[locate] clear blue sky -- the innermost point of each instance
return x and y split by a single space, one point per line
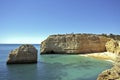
31 21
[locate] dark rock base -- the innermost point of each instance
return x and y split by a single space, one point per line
22 62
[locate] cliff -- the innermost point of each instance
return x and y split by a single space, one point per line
113 73
113 46
74 44
113 36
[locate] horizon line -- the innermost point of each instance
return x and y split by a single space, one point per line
20 43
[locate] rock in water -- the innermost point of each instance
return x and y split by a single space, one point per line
110 74
113 73
74 43
24 54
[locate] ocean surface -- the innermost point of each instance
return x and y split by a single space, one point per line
51 67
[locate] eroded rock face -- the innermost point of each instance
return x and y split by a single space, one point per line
23 54
110 74
74 43
113 46
113 73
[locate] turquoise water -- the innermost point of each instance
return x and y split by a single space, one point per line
51 67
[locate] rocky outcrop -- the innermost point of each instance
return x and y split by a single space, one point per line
113 73
23 54
74 43
113 46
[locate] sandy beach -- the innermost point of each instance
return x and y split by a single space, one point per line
102 55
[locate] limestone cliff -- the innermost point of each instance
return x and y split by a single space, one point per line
23 54
113 73
74 43
113 46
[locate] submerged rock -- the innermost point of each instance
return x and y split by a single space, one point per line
74 43
23 54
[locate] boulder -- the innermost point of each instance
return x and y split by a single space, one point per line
74 44
24 54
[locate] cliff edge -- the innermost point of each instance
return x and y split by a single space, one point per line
74 44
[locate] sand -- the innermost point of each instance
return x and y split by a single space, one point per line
102 55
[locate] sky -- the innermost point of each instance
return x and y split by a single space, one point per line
32 21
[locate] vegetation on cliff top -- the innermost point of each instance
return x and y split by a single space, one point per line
113 36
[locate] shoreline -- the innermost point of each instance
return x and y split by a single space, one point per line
107 56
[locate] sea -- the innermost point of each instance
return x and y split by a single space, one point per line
51 67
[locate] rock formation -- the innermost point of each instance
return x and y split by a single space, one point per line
113 73
23 54
113 46
74 43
